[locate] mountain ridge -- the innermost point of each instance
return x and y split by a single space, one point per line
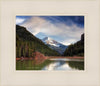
60 48
27 43
76 49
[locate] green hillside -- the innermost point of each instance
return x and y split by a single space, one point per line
76 49
27 44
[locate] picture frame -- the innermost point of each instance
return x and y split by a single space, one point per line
8 74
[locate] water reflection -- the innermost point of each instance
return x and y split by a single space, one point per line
76 65
65 64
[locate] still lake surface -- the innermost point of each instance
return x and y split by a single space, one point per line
51 64
65 64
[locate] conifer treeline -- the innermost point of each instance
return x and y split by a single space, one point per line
76 49
27 44
24 49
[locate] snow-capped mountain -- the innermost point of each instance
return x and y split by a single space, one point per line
50 41
54 44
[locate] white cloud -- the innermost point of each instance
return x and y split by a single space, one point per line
34 24
69 34
69 41
19 20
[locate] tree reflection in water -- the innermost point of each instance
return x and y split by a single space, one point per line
76 65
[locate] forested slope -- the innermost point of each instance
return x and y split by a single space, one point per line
76 49
27 44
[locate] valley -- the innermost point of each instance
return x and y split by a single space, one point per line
33 53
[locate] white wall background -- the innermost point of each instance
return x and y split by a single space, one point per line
10 77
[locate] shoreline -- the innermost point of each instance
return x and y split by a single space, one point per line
70 57
47 57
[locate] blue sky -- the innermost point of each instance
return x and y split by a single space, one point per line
64 29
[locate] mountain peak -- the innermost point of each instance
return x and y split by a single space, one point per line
54 44
46 38
32 43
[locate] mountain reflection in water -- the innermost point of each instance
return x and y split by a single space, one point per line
65 64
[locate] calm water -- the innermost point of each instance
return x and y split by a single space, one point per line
51 64
65 64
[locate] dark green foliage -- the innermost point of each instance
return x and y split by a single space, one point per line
76 65
30 65
76 49
27 44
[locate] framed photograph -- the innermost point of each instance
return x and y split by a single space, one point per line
49 43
